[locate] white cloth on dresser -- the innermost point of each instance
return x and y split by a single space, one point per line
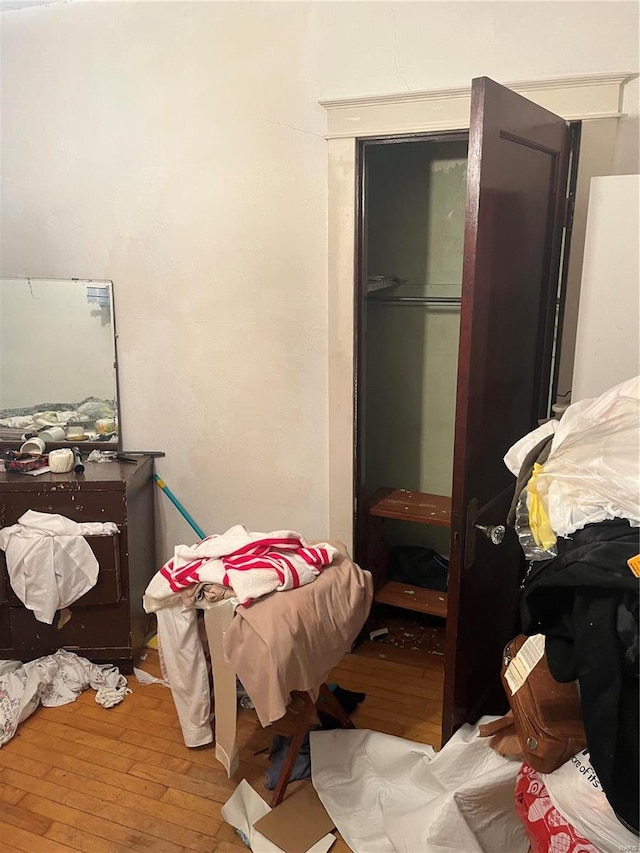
50 564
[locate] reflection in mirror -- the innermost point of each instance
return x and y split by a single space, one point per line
57 360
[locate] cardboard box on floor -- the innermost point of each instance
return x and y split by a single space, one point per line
297 823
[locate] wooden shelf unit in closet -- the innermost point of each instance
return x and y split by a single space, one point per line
420 508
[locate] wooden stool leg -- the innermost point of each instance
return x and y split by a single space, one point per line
331 705
301 729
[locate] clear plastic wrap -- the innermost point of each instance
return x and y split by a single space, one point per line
533 550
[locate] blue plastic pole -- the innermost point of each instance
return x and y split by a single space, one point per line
174 500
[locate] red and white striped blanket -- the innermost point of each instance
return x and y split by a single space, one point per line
252 564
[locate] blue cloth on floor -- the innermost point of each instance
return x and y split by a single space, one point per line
279 749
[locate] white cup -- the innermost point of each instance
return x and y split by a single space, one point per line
54 433
34 447
61 461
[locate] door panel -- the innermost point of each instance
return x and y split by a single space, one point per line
516 180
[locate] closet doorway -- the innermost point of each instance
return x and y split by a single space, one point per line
460 239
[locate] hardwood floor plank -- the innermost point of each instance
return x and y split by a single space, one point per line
202 806
23 840
205 786
24 819
151 715
124 749
381 669
423 733
42 742
80 840
408 705
379 659
373 712
68 715
131 722
378 685
9 794
205 821
102 828
132 817
228 833
98 774
389 728
24 756
424 660
83 778
13 759
153 743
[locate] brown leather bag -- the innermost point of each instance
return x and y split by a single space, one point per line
546 714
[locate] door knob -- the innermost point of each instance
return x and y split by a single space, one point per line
493 532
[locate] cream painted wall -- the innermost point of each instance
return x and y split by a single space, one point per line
378 48
176 148
607 351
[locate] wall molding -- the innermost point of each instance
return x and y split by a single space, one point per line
588 96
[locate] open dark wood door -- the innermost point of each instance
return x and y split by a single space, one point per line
516 184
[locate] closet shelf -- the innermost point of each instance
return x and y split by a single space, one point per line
414 598
416 300
411 506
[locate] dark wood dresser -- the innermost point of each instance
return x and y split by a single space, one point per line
108 623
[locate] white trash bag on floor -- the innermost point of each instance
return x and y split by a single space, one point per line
576 792
386 794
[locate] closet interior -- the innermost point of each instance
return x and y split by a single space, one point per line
413 216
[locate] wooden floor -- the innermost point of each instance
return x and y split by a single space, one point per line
81 777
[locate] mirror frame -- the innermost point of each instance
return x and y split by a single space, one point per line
15 444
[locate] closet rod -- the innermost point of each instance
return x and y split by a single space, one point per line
419 300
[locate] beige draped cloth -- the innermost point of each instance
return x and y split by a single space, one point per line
292 640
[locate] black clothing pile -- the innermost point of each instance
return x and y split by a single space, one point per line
585 602
418 566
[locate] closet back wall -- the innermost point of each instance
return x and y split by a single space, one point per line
177 148
415 194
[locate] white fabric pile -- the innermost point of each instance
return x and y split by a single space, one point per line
56 679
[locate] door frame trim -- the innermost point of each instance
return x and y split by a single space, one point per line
594 99
588 96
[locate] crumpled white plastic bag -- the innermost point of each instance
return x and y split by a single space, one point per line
386 794
575 790
593 469
516 454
